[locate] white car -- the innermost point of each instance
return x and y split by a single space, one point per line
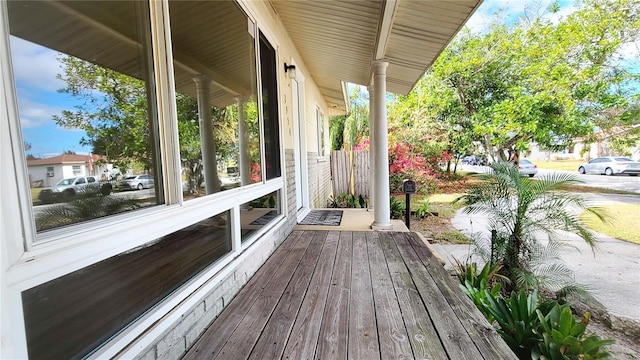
610 165
526 167
138 182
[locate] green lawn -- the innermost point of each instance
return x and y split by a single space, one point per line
623 223
35 192
569 165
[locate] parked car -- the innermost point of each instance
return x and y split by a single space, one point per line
70 187
138 182
610 165
473 160
526 167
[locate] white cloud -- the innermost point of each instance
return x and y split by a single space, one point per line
35 66
34 114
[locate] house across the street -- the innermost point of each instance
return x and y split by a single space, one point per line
46 172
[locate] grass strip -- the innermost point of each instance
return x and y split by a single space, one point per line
623 223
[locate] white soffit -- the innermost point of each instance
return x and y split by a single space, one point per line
338 39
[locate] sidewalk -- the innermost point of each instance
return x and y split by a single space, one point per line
612 274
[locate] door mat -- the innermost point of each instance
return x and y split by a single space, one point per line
265 219
323 217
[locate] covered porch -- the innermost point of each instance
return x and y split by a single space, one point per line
350 294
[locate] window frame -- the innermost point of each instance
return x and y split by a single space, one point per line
35 258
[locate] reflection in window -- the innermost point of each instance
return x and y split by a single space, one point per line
259 212
270 108
215 74
85 96
322 149
67 317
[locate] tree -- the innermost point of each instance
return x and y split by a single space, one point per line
336 131
111 108
433 111
520 210
535 80
355 127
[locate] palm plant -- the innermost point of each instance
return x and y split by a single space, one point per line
82 208
521 211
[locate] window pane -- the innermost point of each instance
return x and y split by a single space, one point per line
257 213
67 317
321 126
215 72
84 95
270 108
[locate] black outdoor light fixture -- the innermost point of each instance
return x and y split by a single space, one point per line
291 69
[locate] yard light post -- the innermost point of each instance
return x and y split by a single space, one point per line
408 187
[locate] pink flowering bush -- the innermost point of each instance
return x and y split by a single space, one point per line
256 173
421 164
363 144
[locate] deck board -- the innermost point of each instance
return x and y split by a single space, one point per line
220 331
363 332
392 334
422 334
332 343
248 331
307 325
350 295
486 339
276 332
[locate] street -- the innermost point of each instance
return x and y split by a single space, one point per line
616 182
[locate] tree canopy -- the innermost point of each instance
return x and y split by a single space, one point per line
533 81
112 108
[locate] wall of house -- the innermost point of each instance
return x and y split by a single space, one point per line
39 173
173 325
319 180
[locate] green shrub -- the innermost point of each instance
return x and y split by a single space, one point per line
347 201
517 319
468 271
423 209
563 337
397 208
480 294
538 330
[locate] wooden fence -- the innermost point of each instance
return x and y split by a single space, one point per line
340 172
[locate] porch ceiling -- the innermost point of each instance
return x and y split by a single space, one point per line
338 39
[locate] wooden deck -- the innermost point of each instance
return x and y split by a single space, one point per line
351 295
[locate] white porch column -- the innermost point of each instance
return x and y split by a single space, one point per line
207 142
372 163
381 211
244 162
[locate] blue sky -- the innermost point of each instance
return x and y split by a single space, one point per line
35 70
513 10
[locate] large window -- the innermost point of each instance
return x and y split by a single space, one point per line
84 85
215 72
68 317
96 146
